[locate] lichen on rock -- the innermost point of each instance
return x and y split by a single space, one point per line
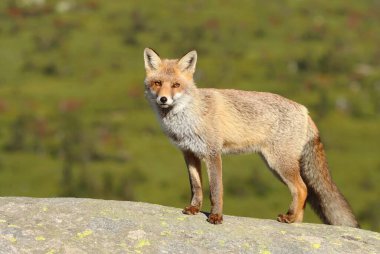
69 225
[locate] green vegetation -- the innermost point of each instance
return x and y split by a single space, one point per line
74 121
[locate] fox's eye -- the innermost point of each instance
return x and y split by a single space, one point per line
157 83
176 85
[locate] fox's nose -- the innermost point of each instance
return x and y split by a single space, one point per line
163 99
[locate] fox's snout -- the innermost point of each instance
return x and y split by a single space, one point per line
164 101
164 93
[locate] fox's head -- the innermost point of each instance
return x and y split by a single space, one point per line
169 81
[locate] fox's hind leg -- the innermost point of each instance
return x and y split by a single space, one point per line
299 193
194 168
289 172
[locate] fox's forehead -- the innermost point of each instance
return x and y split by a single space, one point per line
169 66
167 71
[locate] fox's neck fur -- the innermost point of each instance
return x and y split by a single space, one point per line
182 122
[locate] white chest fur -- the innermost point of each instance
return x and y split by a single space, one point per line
183 130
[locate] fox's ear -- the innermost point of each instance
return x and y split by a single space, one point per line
187 62
151 59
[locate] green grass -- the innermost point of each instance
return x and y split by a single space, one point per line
71 96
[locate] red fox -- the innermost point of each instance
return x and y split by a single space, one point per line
206 123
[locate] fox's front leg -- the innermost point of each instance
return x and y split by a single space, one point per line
193 164
214 170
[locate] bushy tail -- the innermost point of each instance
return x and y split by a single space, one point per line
323 195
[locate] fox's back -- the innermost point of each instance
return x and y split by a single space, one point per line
248 120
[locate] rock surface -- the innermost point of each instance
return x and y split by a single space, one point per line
69 225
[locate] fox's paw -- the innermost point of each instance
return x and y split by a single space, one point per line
190 210
215 218
286 218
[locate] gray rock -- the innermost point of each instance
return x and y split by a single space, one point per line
69 225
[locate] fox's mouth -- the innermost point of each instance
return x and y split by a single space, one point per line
164 105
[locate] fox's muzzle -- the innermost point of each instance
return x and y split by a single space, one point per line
164 101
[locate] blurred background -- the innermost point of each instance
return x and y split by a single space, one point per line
74 120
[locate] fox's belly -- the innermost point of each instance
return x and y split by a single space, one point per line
241 147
